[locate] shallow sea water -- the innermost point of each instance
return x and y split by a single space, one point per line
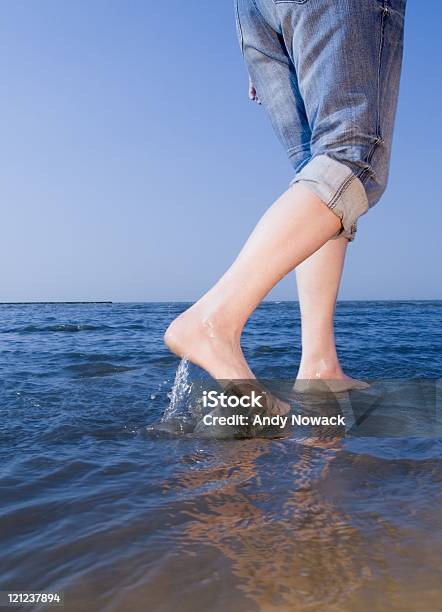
118 516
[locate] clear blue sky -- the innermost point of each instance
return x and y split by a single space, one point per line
133 165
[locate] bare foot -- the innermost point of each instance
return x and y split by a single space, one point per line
205 342
208 344
329 379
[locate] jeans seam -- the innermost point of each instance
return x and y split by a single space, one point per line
385 11
340 192
363 174
240 32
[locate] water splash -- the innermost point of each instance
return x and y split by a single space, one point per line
180 394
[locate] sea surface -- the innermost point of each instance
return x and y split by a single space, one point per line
99 503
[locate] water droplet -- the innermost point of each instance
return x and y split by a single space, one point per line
180 391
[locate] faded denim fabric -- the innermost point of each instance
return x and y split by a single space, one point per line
327 73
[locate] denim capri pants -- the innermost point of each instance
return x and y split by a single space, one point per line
327 73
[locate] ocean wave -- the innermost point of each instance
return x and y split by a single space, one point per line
59 327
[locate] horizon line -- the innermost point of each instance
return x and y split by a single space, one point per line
85 302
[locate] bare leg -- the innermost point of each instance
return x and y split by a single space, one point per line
318 279
209 332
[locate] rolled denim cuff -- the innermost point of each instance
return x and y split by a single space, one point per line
339 188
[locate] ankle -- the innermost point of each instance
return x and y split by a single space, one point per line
324 366
216 322
201 322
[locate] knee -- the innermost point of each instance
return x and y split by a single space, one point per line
337 184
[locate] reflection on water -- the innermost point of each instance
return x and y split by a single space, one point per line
303 527
122 517
276 551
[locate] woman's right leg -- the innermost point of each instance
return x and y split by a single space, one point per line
318 279
344 83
